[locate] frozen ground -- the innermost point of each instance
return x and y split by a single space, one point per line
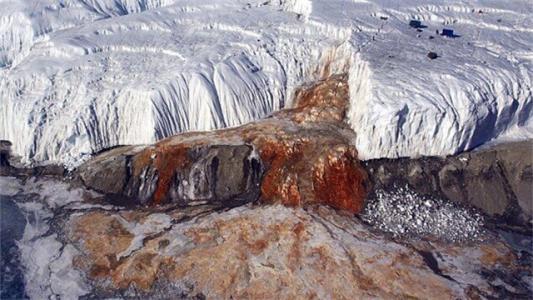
77 76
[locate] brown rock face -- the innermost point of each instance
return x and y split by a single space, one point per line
297 156
104 237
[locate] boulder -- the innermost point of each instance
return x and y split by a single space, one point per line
109 172
432 55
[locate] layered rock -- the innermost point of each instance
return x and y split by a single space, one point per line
297 156
496 180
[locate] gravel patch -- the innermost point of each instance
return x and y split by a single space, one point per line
405 213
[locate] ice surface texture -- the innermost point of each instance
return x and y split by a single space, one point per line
77 76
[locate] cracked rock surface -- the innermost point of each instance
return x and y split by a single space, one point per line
76 245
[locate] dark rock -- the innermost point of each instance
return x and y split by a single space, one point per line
498 181
218 173
49 170
144 186
207 174
5 150
517 166
432 55
451 182
416 24
419 178
235 172
108 172
485 184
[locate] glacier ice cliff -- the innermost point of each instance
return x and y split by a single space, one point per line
78 76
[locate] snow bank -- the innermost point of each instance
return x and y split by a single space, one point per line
80 76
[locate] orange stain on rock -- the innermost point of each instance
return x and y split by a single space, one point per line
167 161
280 182
341 183
306 151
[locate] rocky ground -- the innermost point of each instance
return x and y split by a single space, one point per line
75 244
497 180
278 208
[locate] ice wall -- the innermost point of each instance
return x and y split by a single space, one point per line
80 76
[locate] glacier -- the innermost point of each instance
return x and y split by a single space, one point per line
78 76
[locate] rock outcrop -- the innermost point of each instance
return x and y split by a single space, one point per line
497 180
5 149
297 156
276 252
79 243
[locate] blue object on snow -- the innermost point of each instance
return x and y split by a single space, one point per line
416 24
448 33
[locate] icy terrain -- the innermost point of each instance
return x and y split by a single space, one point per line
77 76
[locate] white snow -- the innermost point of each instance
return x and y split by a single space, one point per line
65 280
48 270
54 193
80 76
49 273
36 256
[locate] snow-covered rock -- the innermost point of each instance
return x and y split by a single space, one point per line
80 76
